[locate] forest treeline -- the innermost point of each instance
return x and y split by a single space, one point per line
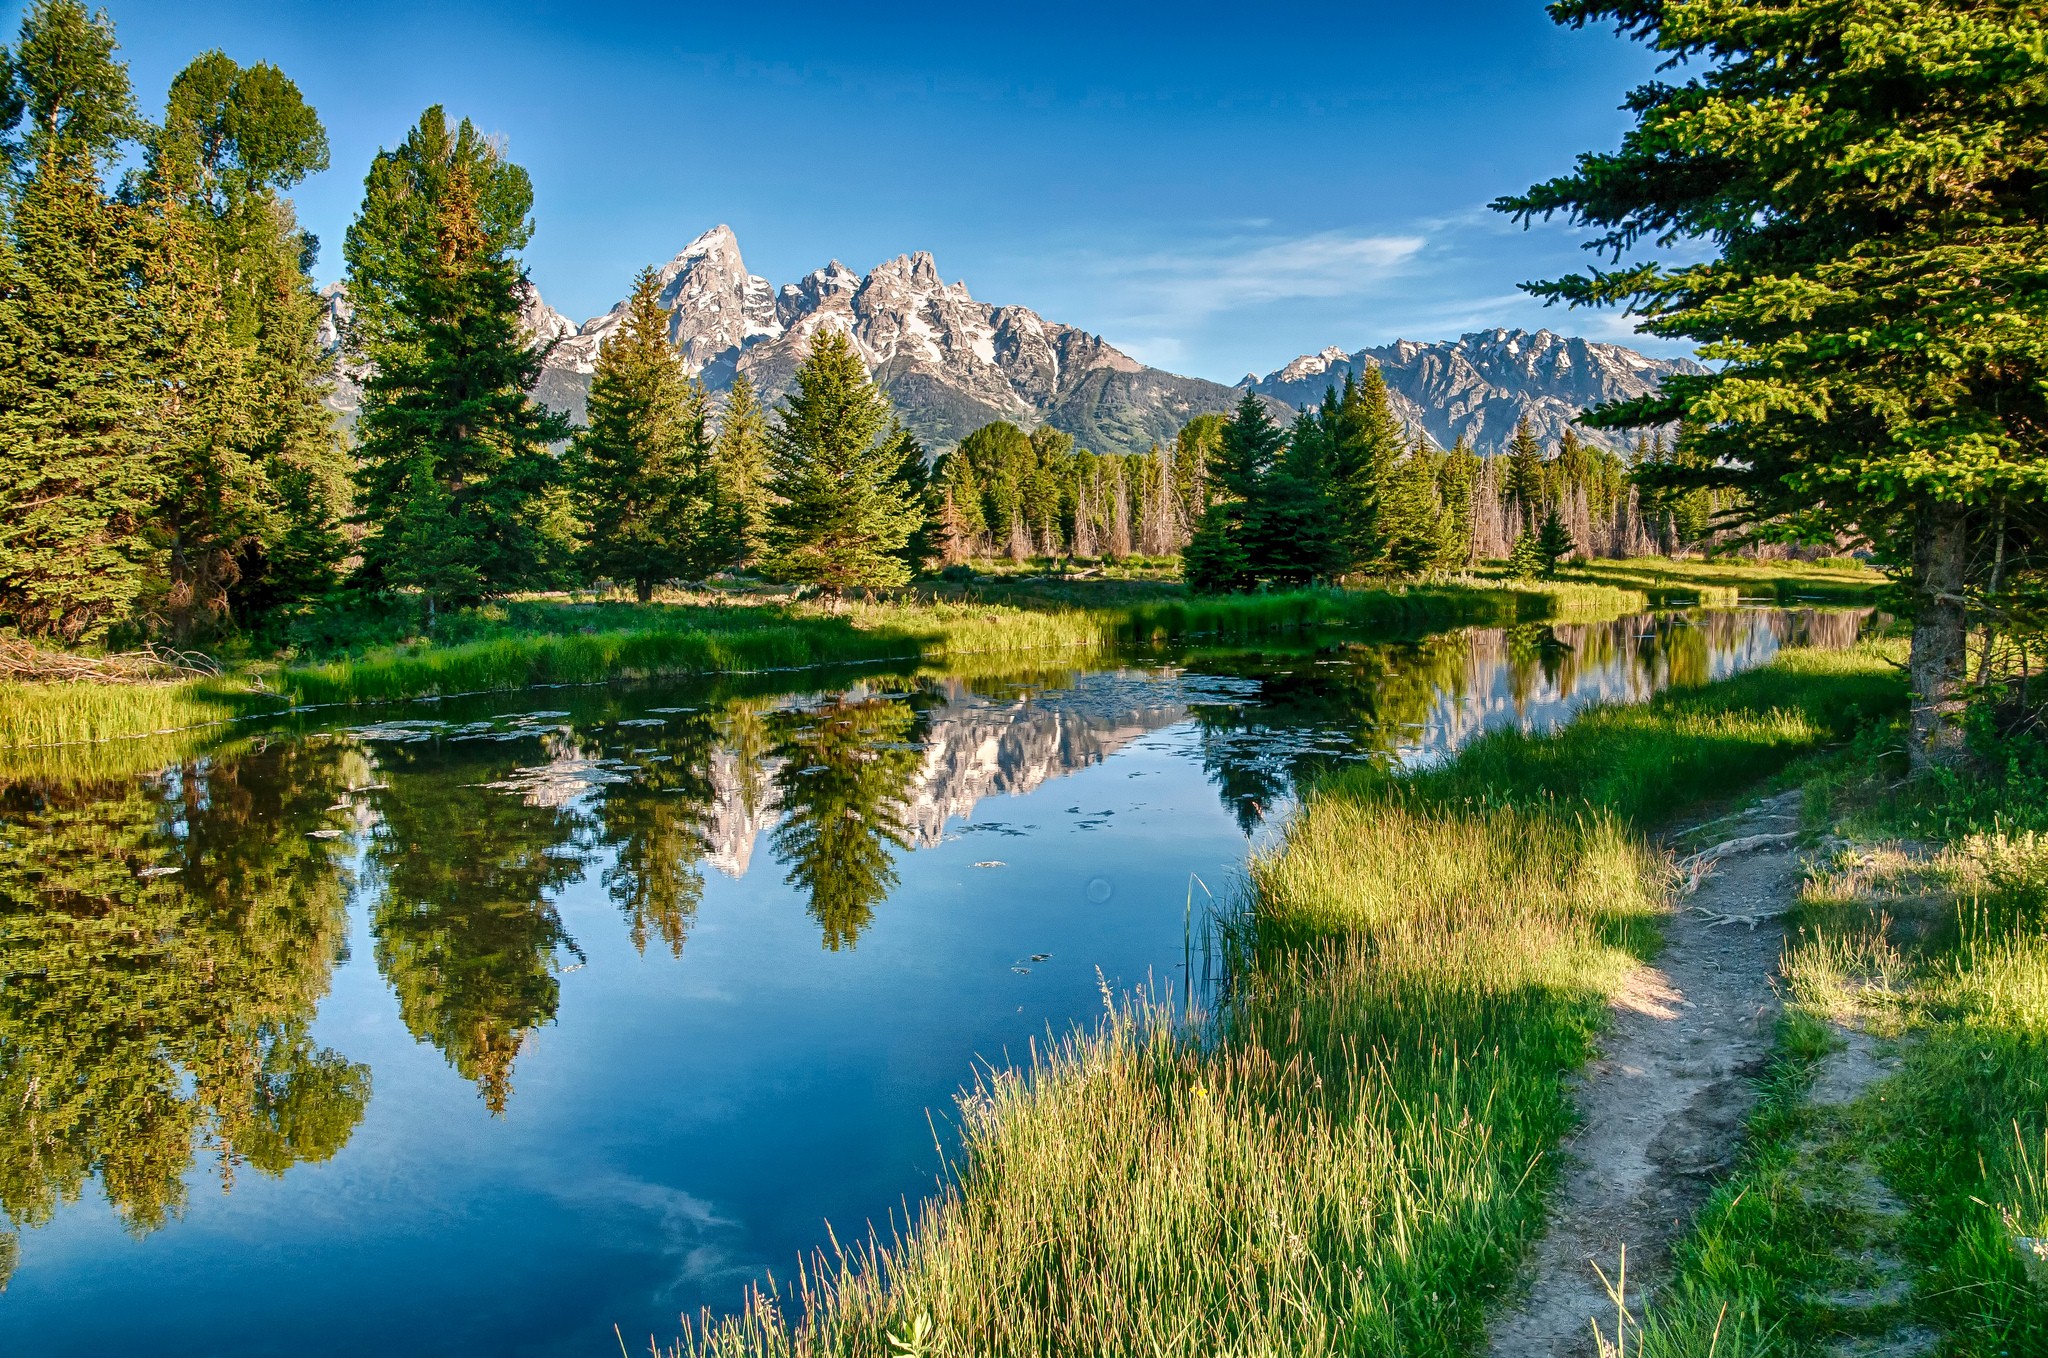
170 466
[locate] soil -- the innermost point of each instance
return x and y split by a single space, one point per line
1661 1110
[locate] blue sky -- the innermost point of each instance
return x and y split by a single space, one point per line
1213 188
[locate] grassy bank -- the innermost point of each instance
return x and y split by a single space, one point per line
1724 584
1351 1154
1922 946
528 643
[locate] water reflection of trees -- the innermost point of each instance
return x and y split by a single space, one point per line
163 945
846 767
466 934
1392 703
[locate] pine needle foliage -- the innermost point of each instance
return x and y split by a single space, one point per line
1865 182
641 471
450 402
842 516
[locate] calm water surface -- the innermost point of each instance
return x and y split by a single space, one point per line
485 1025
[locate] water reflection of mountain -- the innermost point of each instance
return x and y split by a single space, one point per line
971 746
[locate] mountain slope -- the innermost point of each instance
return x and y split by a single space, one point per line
952 364
1479 385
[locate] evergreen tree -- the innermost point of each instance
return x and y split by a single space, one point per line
1409 521
925 495
641 471
843 516
1457 484
81 470
1365 443
451 395
1522 483
1867 178
1295 529
739 459
1226 551
395 234
1553 543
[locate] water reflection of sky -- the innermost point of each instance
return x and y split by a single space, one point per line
490 1025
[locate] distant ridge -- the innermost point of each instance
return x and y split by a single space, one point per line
952 363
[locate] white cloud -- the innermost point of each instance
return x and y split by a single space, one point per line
1170 290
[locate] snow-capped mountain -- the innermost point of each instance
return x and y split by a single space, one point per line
1480 385
952 363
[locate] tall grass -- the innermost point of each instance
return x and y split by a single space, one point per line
76 713
1349 1156
525 645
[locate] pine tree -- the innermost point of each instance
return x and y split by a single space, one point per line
1409 518
1457 486
1553 543
81 469
1225 552
843 516
641 471
1365 441
922 492
451 400
1522 483
740 459
1880 164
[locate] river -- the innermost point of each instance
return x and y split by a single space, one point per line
486 1025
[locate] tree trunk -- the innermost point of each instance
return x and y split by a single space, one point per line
1940 555
643 590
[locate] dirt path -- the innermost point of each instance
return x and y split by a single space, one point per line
1662 1108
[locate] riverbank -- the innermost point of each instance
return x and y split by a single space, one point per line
525 643
1353 1154
1894 1185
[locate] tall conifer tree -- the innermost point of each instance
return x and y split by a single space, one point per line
843 515
450 400
740 460
641 470
81 471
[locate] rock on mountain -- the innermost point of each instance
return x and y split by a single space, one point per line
952 364
1480 385
949 362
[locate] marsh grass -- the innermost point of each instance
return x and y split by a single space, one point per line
528 643
1347 1156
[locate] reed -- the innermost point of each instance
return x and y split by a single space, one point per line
1350 1155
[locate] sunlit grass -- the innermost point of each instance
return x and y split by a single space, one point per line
1349 1157
529 643
1725 583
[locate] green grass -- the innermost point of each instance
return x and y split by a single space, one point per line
1727 583
76 713
526 643
1928 931
1351 1154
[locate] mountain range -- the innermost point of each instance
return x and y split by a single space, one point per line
952 363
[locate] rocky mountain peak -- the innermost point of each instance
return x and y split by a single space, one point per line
952 363
1480 385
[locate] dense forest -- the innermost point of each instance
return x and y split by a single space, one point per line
169 469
